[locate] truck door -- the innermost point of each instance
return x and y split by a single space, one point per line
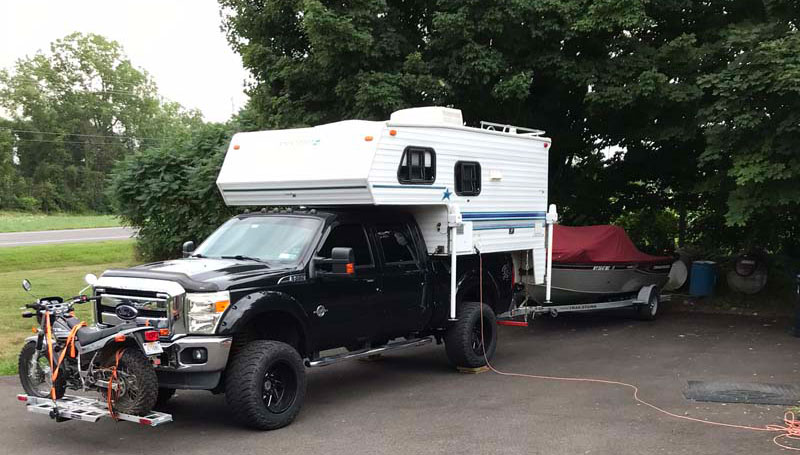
348 314
402 280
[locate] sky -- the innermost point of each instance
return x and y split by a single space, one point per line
178 42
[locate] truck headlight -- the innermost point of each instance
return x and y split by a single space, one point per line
204 310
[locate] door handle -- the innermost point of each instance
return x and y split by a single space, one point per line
369 280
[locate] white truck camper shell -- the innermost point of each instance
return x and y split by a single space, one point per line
358 162
470 189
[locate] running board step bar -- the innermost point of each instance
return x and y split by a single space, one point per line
81 408
329 360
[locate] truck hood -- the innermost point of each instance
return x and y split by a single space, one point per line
207 274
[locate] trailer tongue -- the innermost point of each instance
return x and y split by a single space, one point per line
72 407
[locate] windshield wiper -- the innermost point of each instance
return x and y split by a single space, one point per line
240 257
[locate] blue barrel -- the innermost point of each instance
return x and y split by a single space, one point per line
703 278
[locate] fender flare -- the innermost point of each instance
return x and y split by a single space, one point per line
247 308
464 285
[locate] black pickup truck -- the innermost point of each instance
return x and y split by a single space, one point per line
266 294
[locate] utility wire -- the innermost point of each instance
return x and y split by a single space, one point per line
118 136
66 142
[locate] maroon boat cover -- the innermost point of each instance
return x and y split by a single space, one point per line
597 244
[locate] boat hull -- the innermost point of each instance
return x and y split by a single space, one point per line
575 283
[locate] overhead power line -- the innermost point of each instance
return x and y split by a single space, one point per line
59 133
55 141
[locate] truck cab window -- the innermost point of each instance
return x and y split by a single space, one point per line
468 178
352 236
417 165
395 243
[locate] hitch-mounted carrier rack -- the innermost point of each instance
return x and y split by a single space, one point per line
73 407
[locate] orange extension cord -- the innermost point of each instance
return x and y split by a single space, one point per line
789 430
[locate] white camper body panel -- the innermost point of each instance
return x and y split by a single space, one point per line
356 162
513 197
324 165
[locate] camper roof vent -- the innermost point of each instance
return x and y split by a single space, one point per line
429 115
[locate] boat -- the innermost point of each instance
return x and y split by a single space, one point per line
599 264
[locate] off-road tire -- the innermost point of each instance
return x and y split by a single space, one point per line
28 351
164 395
461 338
135 363
246 378
649 311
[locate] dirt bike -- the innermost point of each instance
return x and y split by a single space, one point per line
66 354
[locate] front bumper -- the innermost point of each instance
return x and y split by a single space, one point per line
178 372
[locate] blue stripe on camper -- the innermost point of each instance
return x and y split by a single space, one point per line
485 216
423 187
502 226
306 188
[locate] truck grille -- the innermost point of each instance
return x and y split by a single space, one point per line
153 308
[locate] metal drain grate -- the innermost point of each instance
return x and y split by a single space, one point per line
743 392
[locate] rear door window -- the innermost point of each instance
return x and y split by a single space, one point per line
396 243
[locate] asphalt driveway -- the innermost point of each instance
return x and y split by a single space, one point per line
412 402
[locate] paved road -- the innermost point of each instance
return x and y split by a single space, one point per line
413 403
65 236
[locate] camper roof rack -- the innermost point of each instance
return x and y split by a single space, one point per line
491 126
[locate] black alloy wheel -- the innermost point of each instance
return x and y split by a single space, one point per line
280 387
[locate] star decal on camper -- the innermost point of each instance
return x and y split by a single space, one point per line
446 194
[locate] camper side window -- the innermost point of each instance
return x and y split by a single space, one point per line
418 165
468 178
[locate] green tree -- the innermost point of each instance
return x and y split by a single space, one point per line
9 177
169 192
75 111
753 129
522 62
668 84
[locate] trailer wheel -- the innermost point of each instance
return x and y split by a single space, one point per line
648 311
265 384
463 340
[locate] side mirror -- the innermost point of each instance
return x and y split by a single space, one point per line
342 263
90 279
26 285
188 248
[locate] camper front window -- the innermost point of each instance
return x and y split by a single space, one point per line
417 165
272 239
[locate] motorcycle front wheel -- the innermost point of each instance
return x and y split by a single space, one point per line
136 388
34 373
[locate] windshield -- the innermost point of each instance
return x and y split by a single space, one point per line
281 239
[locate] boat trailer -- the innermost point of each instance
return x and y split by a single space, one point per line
531 311
72 407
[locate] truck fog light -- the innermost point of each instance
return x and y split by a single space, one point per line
199 355
194 356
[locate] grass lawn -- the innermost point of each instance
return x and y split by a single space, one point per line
53 270
19 221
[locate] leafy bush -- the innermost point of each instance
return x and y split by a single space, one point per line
169 193
652 230
28 203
